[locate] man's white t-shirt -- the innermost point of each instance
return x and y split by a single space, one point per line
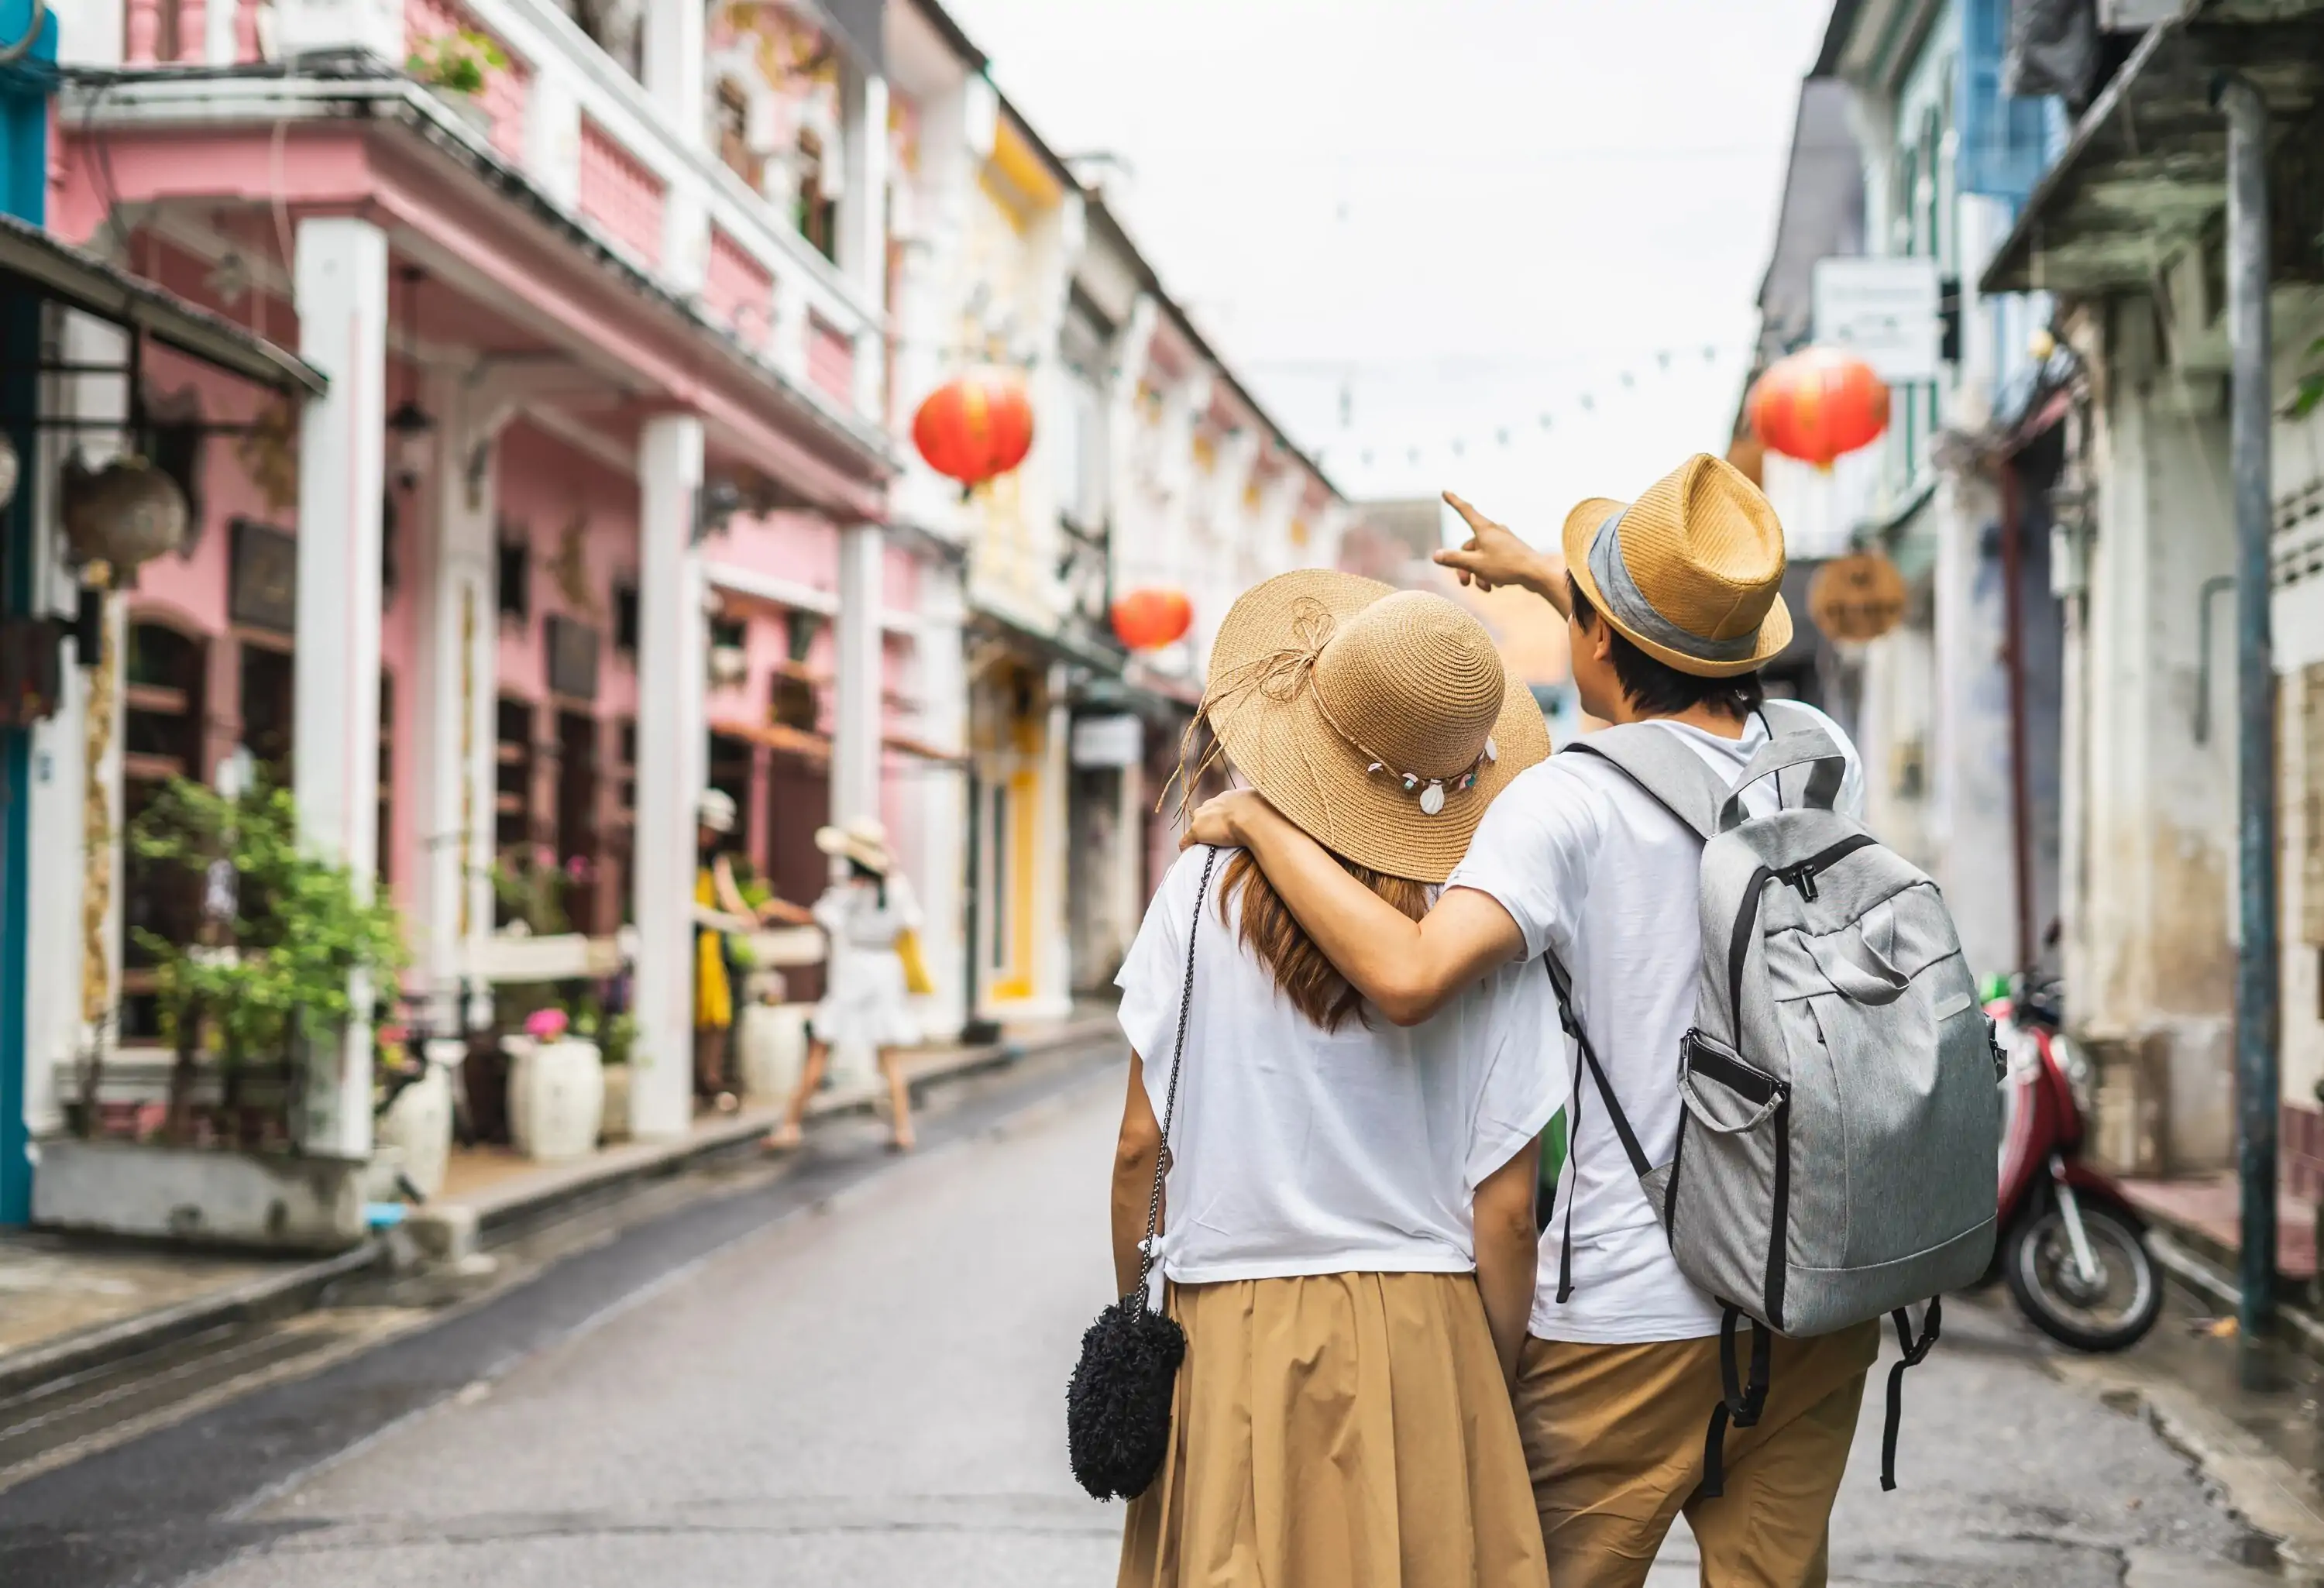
1591 865
1298 1150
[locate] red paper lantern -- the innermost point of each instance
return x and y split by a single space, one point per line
1146 620
1818 404
975 425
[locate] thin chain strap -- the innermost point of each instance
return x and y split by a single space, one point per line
1170 1102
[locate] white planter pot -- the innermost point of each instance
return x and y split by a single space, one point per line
616 1126
772 1037
419 1126
557 1097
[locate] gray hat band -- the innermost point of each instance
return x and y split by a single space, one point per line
1625 601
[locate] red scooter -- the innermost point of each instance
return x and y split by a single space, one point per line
2072 1248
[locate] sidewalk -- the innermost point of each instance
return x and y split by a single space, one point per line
69 1305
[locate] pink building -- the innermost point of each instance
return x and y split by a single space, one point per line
592 515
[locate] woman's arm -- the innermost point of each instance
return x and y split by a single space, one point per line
1133 1176
1507 1251
727 891
1408 968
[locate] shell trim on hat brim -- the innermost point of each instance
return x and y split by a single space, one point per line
1289 751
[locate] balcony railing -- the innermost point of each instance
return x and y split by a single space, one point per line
588 135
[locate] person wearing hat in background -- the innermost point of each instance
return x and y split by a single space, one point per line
868 998
720 909
1347 1236
1671 604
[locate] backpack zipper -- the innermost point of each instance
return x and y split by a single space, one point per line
1802 875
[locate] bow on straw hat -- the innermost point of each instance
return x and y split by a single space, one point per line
861 840
1691 573
1378 720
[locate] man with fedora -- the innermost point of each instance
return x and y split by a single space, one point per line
1671 604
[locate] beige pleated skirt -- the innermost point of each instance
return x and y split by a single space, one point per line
1339 1431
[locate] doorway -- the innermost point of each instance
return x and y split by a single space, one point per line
577 820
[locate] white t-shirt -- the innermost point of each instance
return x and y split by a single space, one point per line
1298 1150
1587 864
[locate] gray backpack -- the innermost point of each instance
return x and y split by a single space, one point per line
1836 1151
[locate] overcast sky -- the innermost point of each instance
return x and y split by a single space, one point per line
1469 215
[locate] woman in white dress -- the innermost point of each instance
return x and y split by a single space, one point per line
866 998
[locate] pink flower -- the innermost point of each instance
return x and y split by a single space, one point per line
544 856
576 867
546 1025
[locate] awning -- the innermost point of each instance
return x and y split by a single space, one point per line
31 259
1062 645
2146 168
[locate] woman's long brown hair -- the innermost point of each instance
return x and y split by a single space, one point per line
1269 930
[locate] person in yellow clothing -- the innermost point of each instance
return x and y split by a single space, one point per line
719 908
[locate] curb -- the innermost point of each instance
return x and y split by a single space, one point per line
591 1182
613 1173
274 1295
2197 1272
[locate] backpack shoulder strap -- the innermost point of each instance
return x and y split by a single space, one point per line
1660 763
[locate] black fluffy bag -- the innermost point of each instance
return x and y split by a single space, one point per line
1117 1404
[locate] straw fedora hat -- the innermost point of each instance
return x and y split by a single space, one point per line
863 841
1378 720
1690 573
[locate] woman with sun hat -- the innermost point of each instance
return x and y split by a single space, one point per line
868 997
1347 1236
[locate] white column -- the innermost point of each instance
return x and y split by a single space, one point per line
455 664
341 287
675 51
672 636
863 227
864 203
943 794
856 725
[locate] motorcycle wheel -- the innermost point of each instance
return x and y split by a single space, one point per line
2111 1315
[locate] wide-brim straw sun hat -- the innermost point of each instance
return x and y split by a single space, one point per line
1379 721
1691 573
863 841
715 810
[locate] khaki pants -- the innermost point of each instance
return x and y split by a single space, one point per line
1614 1437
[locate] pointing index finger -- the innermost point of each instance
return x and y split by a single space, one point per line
1476 520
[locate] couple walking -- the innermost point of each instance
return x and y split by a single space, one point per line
1385 1380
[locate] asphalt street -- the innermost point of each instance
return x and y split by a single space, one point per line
854 1374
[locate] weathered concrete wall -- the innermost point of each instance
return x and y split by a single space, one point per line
205 1197
2149 961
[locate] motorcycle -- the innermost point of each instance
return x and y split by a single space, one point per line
2072 1248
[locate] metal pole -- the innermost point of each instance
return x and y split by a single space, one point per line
2250 417
2013 651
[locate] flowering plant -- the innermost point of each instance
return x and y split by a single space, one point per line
546 1025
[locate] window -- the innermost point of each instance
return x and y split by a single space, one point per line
576 817
625 618
515 578
512 777
731 116
162 738
268 700
383 840
817 216
614 26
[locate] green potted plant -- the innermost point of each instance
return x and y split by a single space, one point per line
456 67
277 968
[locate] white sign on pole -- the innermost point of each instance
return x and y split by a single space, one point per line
1107 741
1883 310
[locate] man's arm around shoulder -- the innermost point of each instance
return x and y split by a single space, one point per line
1409 969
